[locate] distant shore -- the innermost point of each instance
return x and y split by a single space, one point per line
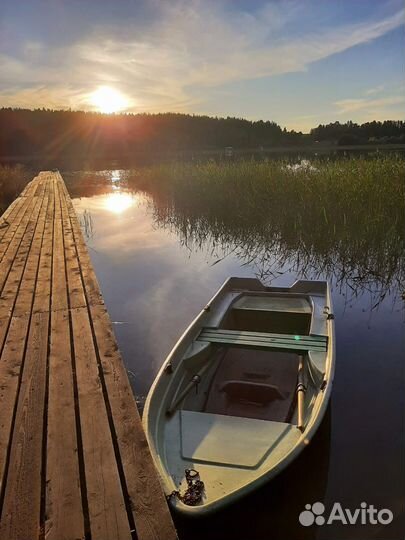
310 149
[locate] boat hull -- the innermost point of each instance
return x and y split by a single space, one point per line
233 455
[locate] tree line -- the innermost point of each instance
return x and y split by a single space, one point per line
389 131
25 133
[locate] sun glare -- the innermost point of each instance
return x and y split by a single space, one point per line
119 202
108 100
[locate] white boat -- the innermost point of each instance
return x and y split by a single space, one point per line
242 392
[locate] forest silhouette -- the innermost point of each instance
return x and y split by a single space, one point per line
30 133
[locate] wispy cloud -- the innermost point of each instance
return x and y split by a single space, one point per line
191 46
376 90
365 108
50 96
351 105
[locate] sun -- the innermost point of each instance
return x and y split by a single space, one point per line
108 100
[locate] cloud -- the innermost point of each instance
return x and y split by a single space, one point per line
388 107
52 97
189 48
352 105
375 90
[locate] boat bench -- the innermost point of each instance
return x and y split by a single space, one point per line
263 340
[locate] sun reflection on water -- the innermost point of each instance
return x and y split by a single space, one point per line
119 202
116 176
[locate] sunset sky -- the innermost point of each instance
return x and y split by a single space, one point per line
299 63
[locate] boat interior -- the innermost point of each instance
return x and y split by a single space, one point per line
248 382
253 384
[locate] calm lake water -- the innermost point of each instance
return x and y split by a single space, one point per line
155 279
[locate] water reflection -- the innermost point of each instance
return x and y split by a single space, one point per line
374 266
158 265
118 202
116 176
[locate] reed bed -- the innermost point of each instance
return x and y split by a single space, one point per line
343 193
343 217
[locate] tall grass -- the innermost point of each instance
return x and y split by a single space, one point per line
344 193
12 182
345 216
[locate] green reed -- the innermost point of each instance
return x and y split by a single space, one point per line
345 216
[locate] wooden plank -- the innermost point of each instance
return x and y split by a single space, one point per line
21 506
4 323
12 239
24 286
10 369
237 333
64 515
75 286
107 511
17 205
44 287
151 514
59 285
25 230
93 292
10 216
24 269
29 190
22 499
207 336
260 344
13 351
7 233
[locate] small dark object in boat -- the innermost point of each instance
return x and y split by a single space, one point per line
194 491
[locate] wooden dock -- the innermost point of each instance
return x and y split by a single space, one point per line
74 461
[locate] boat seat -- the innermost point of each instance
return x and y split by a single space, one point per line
259 394
238 442
268 302
263 340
